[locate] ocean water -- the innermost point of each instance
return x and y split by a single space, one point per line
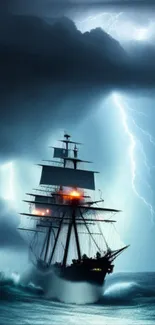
128 298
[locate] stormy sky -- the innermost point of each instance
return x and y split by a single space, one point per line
60 64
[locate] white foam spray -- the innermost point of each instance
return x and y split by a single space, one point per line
62 290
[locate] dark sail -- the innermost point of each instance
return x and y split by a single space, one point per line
52 175
60 153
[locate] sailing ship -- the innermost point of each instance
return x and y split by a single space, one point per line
64 217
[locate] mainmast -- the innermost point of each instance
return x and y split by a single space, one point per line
72 223
67 137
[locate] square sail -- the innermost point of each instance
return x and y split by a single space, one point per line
68 177
60 153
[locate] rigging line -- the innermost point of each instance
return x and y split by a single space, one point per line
28 236
100 194
31 247
89 231
113 214
117 232
101 232
57 237
115 229
63 246
48 242
53 233
99 226
44 244
36 240
33 240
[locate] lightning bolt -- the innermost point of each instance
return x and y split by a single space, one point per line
132 148
110 23
107 21
144 132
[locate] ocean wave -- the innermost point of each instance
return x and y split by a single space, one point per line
12 289
116 293
128 293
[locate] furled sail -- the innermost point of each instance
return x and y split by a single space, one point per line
69 177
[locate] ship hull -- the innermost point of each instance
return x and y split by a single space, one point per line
89 270
77 275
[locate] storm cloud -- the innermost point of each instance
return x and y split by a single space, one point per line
32 49
15 5
51 72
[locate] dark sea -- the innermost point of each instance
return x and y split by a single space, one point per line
128 298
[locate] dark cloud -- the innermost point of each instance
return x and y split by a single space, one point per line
51 72
114 3
10 4
30 48
35 7
72 8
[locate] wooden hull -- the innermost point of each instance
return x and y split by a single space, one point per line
75 274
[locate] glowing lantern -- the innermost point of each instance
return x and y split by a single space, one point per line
75 194
35 212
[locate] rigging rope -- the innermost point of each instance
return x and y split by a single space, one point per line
89 231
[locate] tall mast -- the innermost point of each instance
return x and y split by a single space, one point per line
73 220
67 242
75 156
67 137
71 225
43 247
76 237
74 211
56 239
47 244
